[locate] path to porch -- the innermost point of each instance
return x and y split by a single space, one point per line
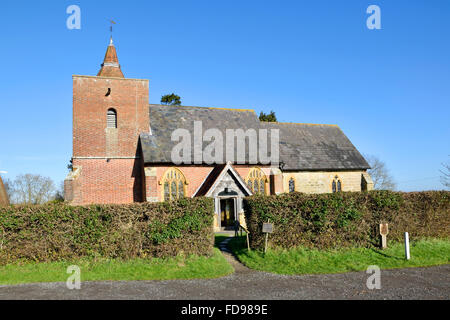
239 268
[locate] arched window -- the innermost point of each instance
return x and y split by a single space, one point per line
111 119
336 185
291 185
174 184
256 181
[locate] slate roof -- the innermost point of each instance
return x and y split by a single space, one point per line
302 146
316 147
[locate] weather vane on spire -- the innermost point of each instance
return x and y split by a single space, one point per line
111 26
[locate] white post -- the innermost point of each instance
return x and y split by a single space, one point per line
267 236
407 246
265 246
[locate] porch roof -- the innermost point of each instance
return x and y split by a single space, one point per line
215 176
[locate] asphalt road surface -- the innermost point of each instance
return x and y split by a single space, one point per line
411 283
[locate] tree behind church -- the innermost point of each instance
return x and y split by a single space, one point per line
445 177
31 189
270 117
7 184
382 179
171 99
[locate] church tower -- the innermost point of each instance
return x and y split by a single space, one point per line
109 113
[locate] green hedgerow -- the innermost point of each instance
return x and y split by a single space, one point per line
55 231
346 219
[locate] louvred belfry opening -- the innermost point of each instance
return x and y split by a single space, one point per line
110 65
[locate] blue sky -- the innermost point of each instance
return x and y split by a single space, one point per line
310 61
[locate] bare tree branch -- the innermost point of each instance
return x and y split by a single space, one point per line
31 189
59 195
445 178
8 186
382 179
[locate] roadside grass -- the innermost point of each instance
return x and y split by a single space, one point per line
180 267
312 261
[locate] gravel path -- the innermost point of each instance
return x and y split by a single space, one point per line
412 283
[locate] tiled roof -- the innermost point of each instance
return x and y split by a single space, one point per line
110 66
302 146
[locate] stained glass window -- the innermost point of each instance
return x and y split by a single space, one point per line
256 181
180 189
174 184
256 187
336 185
166 191
173 190
291 185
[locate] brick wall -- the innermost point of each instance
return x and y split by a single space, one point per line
107 159
195 176
115 181
129 97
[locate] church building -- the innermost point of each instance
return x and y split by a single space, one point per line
122 151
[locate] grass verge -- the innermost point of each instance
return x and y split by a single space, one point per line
192 267
313 261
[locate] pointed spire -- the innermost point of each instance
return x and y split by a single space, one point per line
110 65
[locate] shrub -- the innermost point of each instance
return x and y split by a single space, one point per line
346 219
56 231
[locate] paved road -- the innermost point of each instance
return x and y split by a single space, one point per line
412 283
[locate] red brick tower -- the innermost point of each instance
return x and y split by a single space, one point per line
109 113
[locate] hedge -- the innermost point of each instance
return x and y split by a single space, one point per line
55 232
346 219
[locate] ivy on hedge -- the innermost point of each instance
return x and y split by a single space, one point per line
346 219
61 232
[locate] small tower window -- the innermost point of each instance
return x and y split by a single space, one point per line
111 119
